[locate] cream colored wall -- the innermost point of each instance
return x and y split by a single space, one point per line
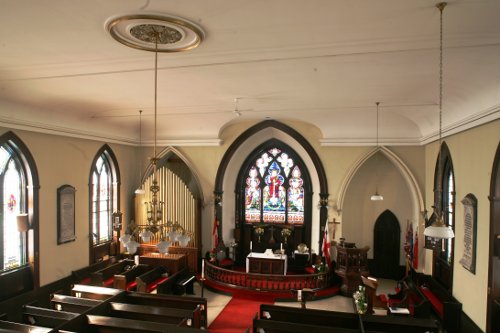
473 153
61 160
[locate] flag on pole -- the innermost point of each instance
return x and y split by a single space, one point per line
215 234
326 246
415 250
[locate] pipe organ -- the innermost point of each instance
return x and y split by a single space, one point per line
180 206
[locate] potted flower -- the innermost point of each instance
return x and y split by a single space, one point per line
285 233
259 231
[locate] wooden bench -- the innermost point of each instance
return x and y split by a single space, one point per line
184 283
93 292
126 279
180 317
34 315
9 326
309 316
397 324
168 301
82 275
105 277
72 304
106 324
275 326
149 281
443 303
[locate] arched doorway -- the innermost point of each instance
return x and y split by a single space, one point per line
493 312
386 242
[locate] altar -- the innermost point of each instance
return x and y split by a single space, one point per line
266 263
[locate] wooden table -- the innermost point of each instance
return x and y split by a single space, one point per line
266 264
173 262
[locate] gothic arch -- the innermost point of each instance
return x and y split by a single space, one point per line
265 130
416 194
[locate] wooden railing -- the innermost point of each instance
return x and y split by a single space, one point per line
266 282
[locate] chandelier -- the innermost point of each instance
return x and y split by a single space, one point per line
438 229
166 34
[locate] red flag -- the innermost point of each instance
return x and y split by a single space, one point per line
415 251
215 234
326 246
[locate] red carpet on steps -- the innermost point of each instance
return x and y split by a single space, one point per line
238 314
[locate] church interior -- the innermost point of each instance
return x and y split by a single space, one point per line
178 166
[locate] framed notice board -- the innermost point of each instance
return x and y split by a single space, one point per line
65 214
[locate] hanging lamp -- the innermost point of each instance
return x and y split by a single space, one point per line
438 229
140 189
377 196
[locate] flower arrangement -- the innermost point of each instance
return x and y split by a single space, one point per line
360 300
259 231
285 233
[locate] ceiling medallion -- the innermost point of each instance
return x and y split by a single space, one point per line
142 31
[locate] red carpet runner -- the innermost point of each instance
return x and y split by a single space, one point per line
238 314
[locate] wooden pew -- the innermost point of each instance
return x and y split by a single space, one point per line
126 280
168 301
175 284
72 304
105 277
103 324
149 281
397 324
34 315
180 317
82 275
275 326
9 326
93 292
309 316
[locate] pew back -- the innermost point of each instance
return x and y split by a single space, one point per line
8 326
72 304
105 277
126 279
34 315
93 292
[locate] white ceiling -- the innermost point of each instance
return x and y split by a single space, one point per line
323 62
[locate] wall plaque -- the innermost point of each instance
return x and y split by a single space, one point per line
65 214
468 260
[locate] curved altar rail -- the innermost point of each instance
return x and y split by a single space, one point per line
266 282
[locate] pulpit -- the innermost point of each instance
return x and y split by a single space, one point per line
352 263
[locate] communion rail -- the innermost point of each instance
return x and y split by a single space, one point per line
266 282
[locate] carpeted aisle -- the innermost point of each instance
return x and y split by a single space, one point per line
238 314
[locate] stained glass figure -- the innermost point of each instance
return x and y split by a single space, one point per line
296 197
252 197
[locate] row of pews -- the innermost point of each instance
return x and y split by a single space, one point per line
126 275
99 309
281 319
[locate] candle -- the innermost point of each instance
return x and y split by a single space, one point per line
281 246
202 268
250 246
299 295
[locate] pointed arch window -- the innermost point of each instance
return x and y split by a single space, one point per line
18 196
104 195
275 184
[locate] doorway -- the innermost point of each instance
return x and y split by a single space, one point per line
386 246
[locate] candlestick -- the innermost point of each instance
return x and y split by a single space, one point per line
202 268
281 246
250 246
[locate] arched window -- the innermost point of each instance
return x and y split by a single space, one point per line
274 190
18 196
104 195
445 202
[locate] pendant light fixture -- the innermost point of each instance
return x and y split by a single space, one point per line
140 189
377 196
438 229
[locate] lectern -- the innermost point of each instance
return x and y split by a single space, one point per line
352 263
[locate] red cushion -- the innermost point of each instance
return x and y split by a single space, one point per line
435 301
131 286
155 284
85 281
226 262
382 298
310 270
109 282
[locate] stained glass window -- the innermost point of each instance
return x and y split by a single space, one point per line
12 179
274 189
104 198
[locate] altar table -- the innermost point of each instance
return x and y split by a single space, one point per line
263 263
